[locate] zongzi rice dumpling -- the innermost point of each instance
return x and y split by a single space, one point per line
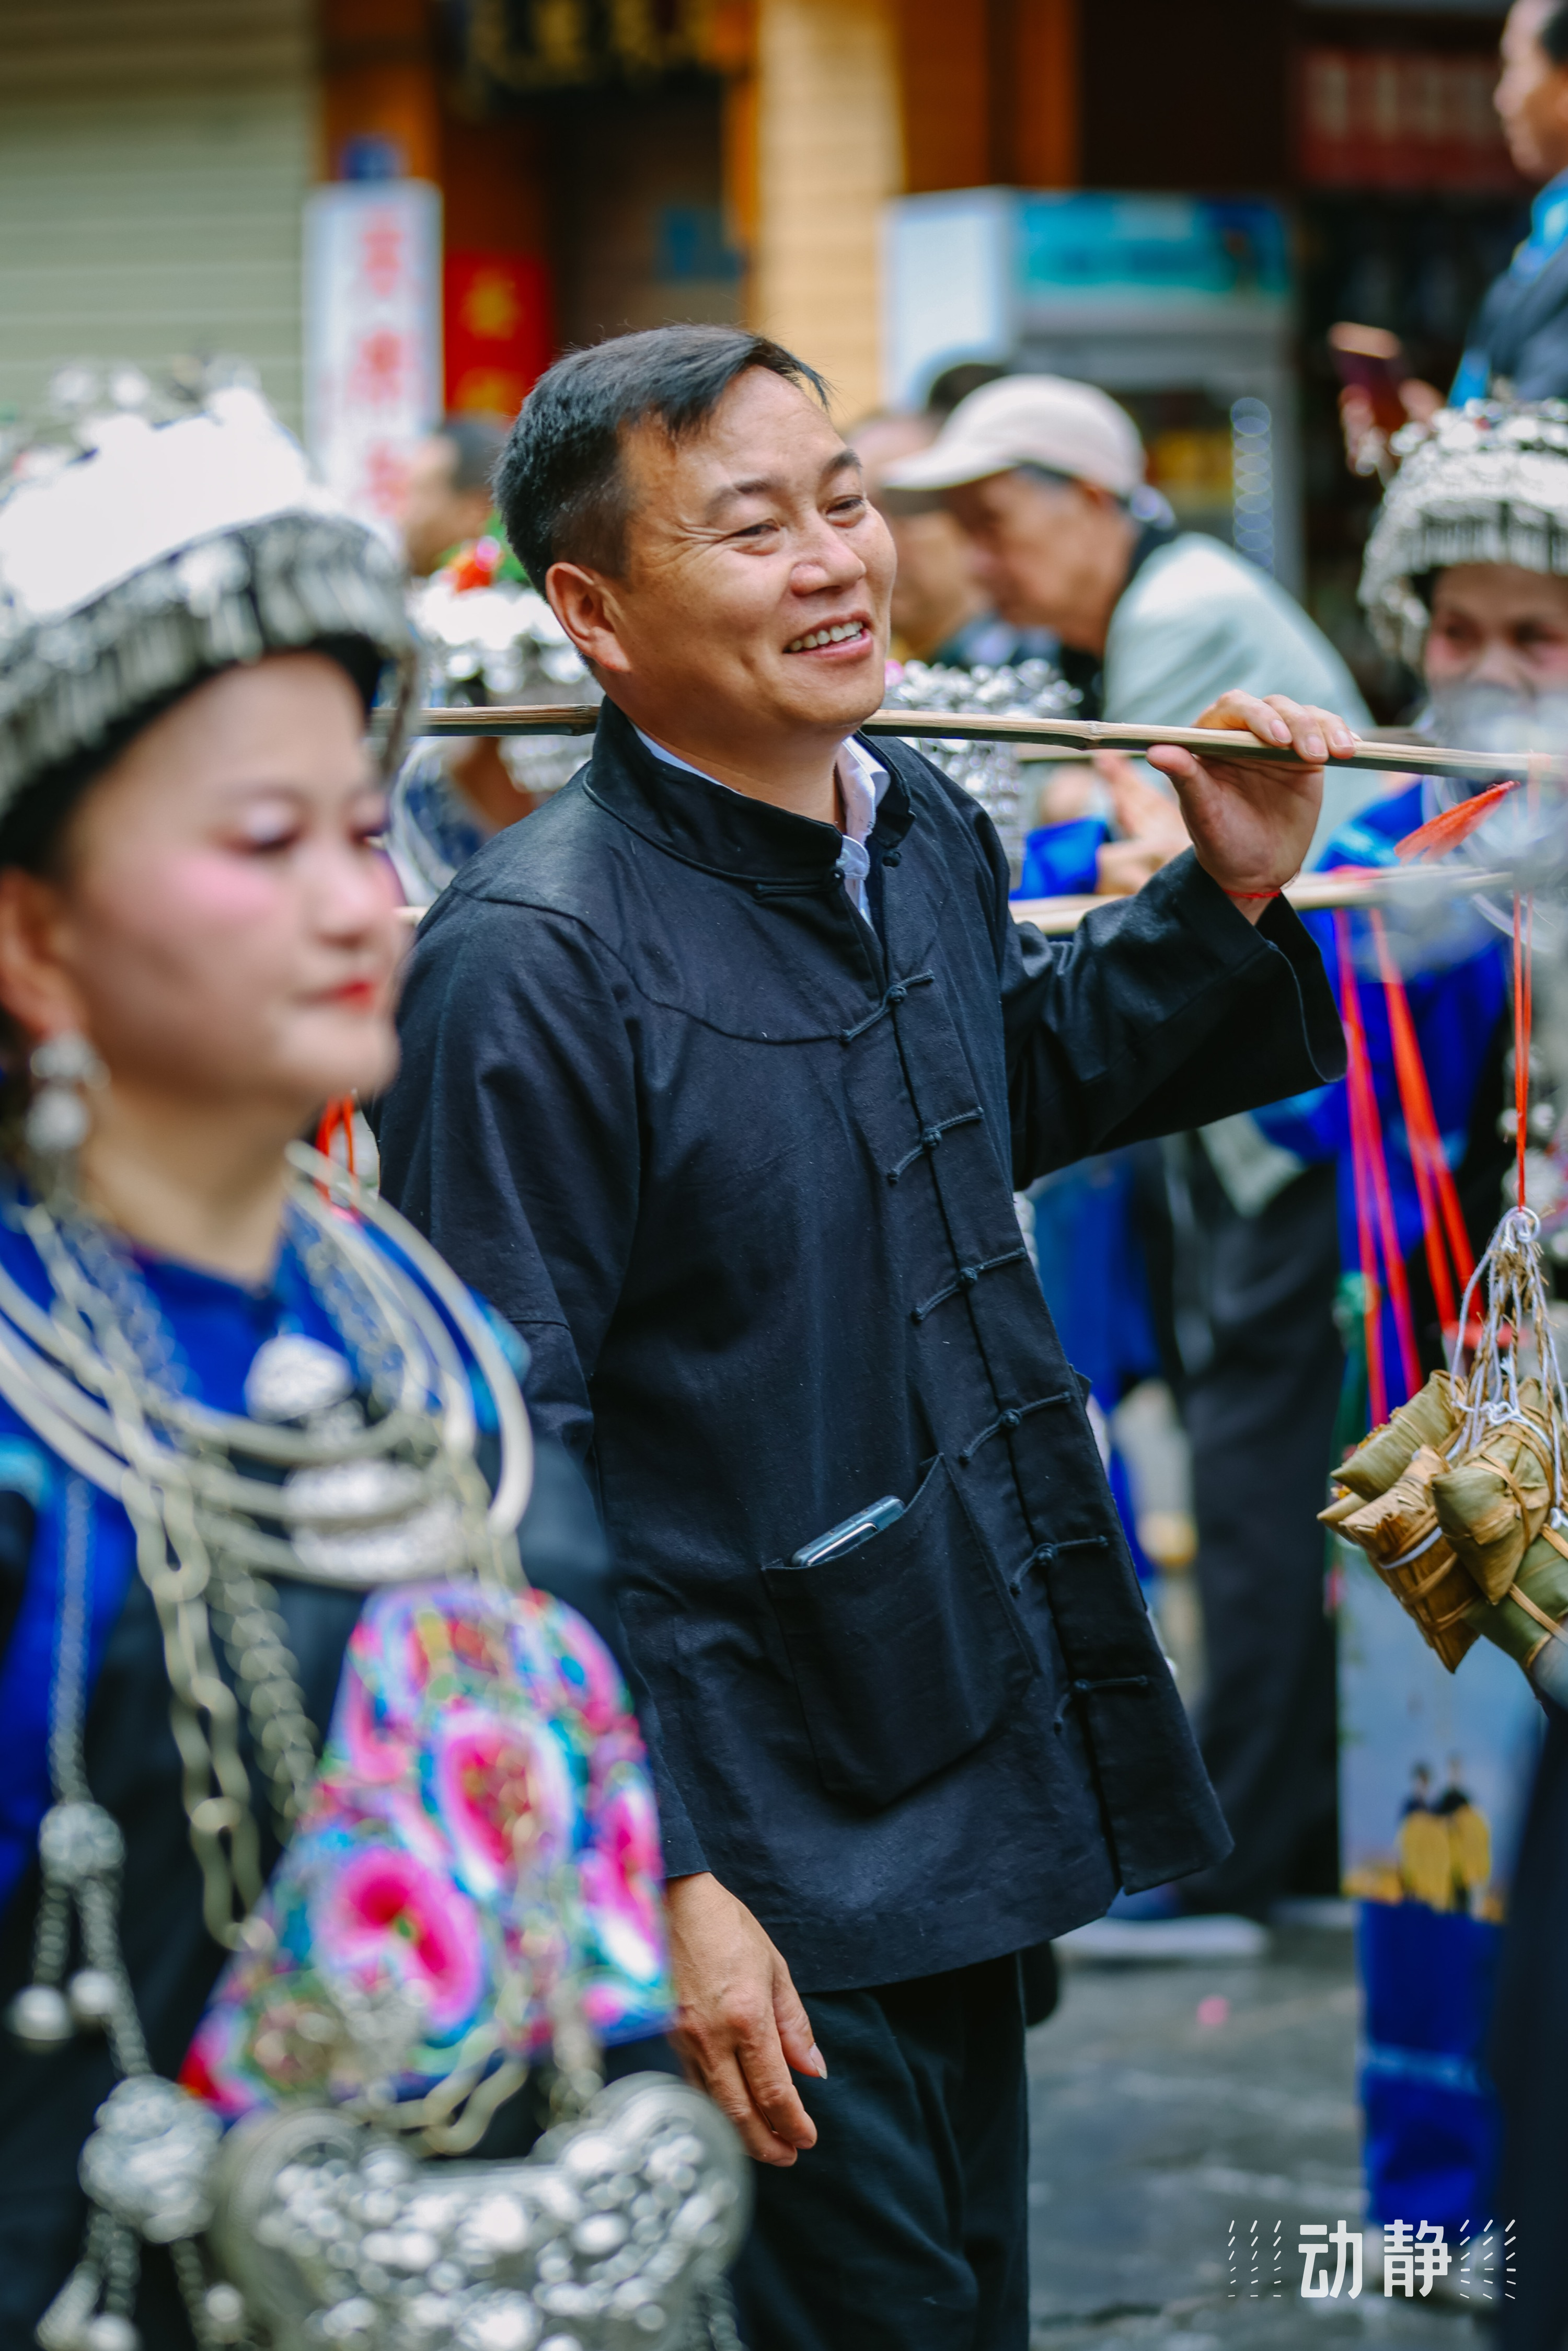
1494 1502
1430 1417
1399 1532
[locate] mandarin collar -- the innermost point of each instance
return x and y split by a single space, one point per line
705 824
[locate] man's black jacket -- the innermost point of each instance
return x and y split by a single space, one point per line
742 1172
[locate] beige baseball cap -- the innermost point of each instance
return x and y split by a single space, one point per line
1029 419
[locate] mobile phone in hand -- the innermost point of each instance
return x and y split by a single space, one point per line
1372 361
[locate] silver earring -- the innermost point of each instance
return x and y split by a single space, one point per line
64 1070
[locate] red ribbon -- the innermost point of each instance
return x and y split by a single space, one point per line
337 1113
1442 1218
1374 1197
1523 990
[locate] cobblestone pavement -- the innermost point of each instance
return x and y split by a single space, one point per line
1155 2128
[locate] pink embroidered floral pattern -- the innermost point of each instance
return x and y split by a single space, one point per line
482 1834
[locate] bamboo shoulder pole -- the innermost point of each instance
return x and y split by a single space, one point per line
1073 738
1310 893
1081 737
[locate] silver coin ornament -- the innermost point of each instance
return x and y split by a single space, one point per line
40 2018
78 1842
56 1123
150 2159
109 2332
57 1119
223 2307
92 1996
292 1376
359 1526
67 1060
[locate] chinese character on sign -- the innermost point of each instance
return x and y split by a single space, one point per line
383 479
380 363
372 335
1411 2261
381 257
1315 2246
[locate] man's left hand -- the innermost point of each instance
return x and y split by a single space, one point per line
1251 823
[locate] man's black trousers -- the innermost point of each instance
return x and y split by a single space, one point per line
905 2226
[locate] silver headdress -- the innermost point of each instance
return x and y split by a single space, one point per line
151 539
493 639
989 772
1483 483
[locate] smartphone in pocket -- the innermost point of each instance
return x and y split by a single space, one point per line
850 1532
904 1647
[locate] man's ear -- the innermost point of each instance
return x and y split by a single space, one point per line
583 602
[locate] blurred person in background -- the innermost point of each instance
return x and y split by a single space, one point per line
1489 637
941 613
1049 478
446 499
1517 348
495 640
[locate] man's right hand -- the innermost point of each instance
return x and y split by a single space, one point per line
740 2025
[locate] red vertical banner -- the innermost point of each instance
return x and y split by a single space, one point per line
1327 143
498 329
1378 102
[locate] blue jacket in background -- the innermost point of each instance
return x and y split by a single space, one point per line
1458 992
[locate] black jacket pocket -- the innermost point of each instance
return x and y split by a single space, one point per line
905 1651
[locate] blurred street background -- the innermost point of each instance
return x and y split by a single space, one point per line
398 206
1173 2109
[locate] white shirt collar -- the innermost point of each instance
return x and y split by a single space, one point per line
862 781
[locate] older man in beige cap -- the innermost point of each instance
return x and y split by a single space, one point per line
1047 478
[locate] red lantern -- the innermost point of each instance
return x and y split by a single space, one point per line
497 330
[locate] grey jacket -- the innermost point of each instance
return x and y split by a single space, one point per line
1196 620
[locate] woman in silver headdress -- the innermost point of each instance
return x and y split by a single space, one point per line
492 639
1466 575
262 1466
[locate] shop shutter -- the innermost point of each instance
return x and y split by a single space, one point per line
154 155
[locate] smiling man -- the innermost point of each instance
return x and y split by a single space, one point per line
718 1076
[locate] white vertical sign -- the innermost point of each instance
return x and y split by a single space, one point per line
373 335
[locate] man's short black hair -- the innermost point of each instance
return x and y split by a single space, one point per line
1553 33
957 382
476 442
560 486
